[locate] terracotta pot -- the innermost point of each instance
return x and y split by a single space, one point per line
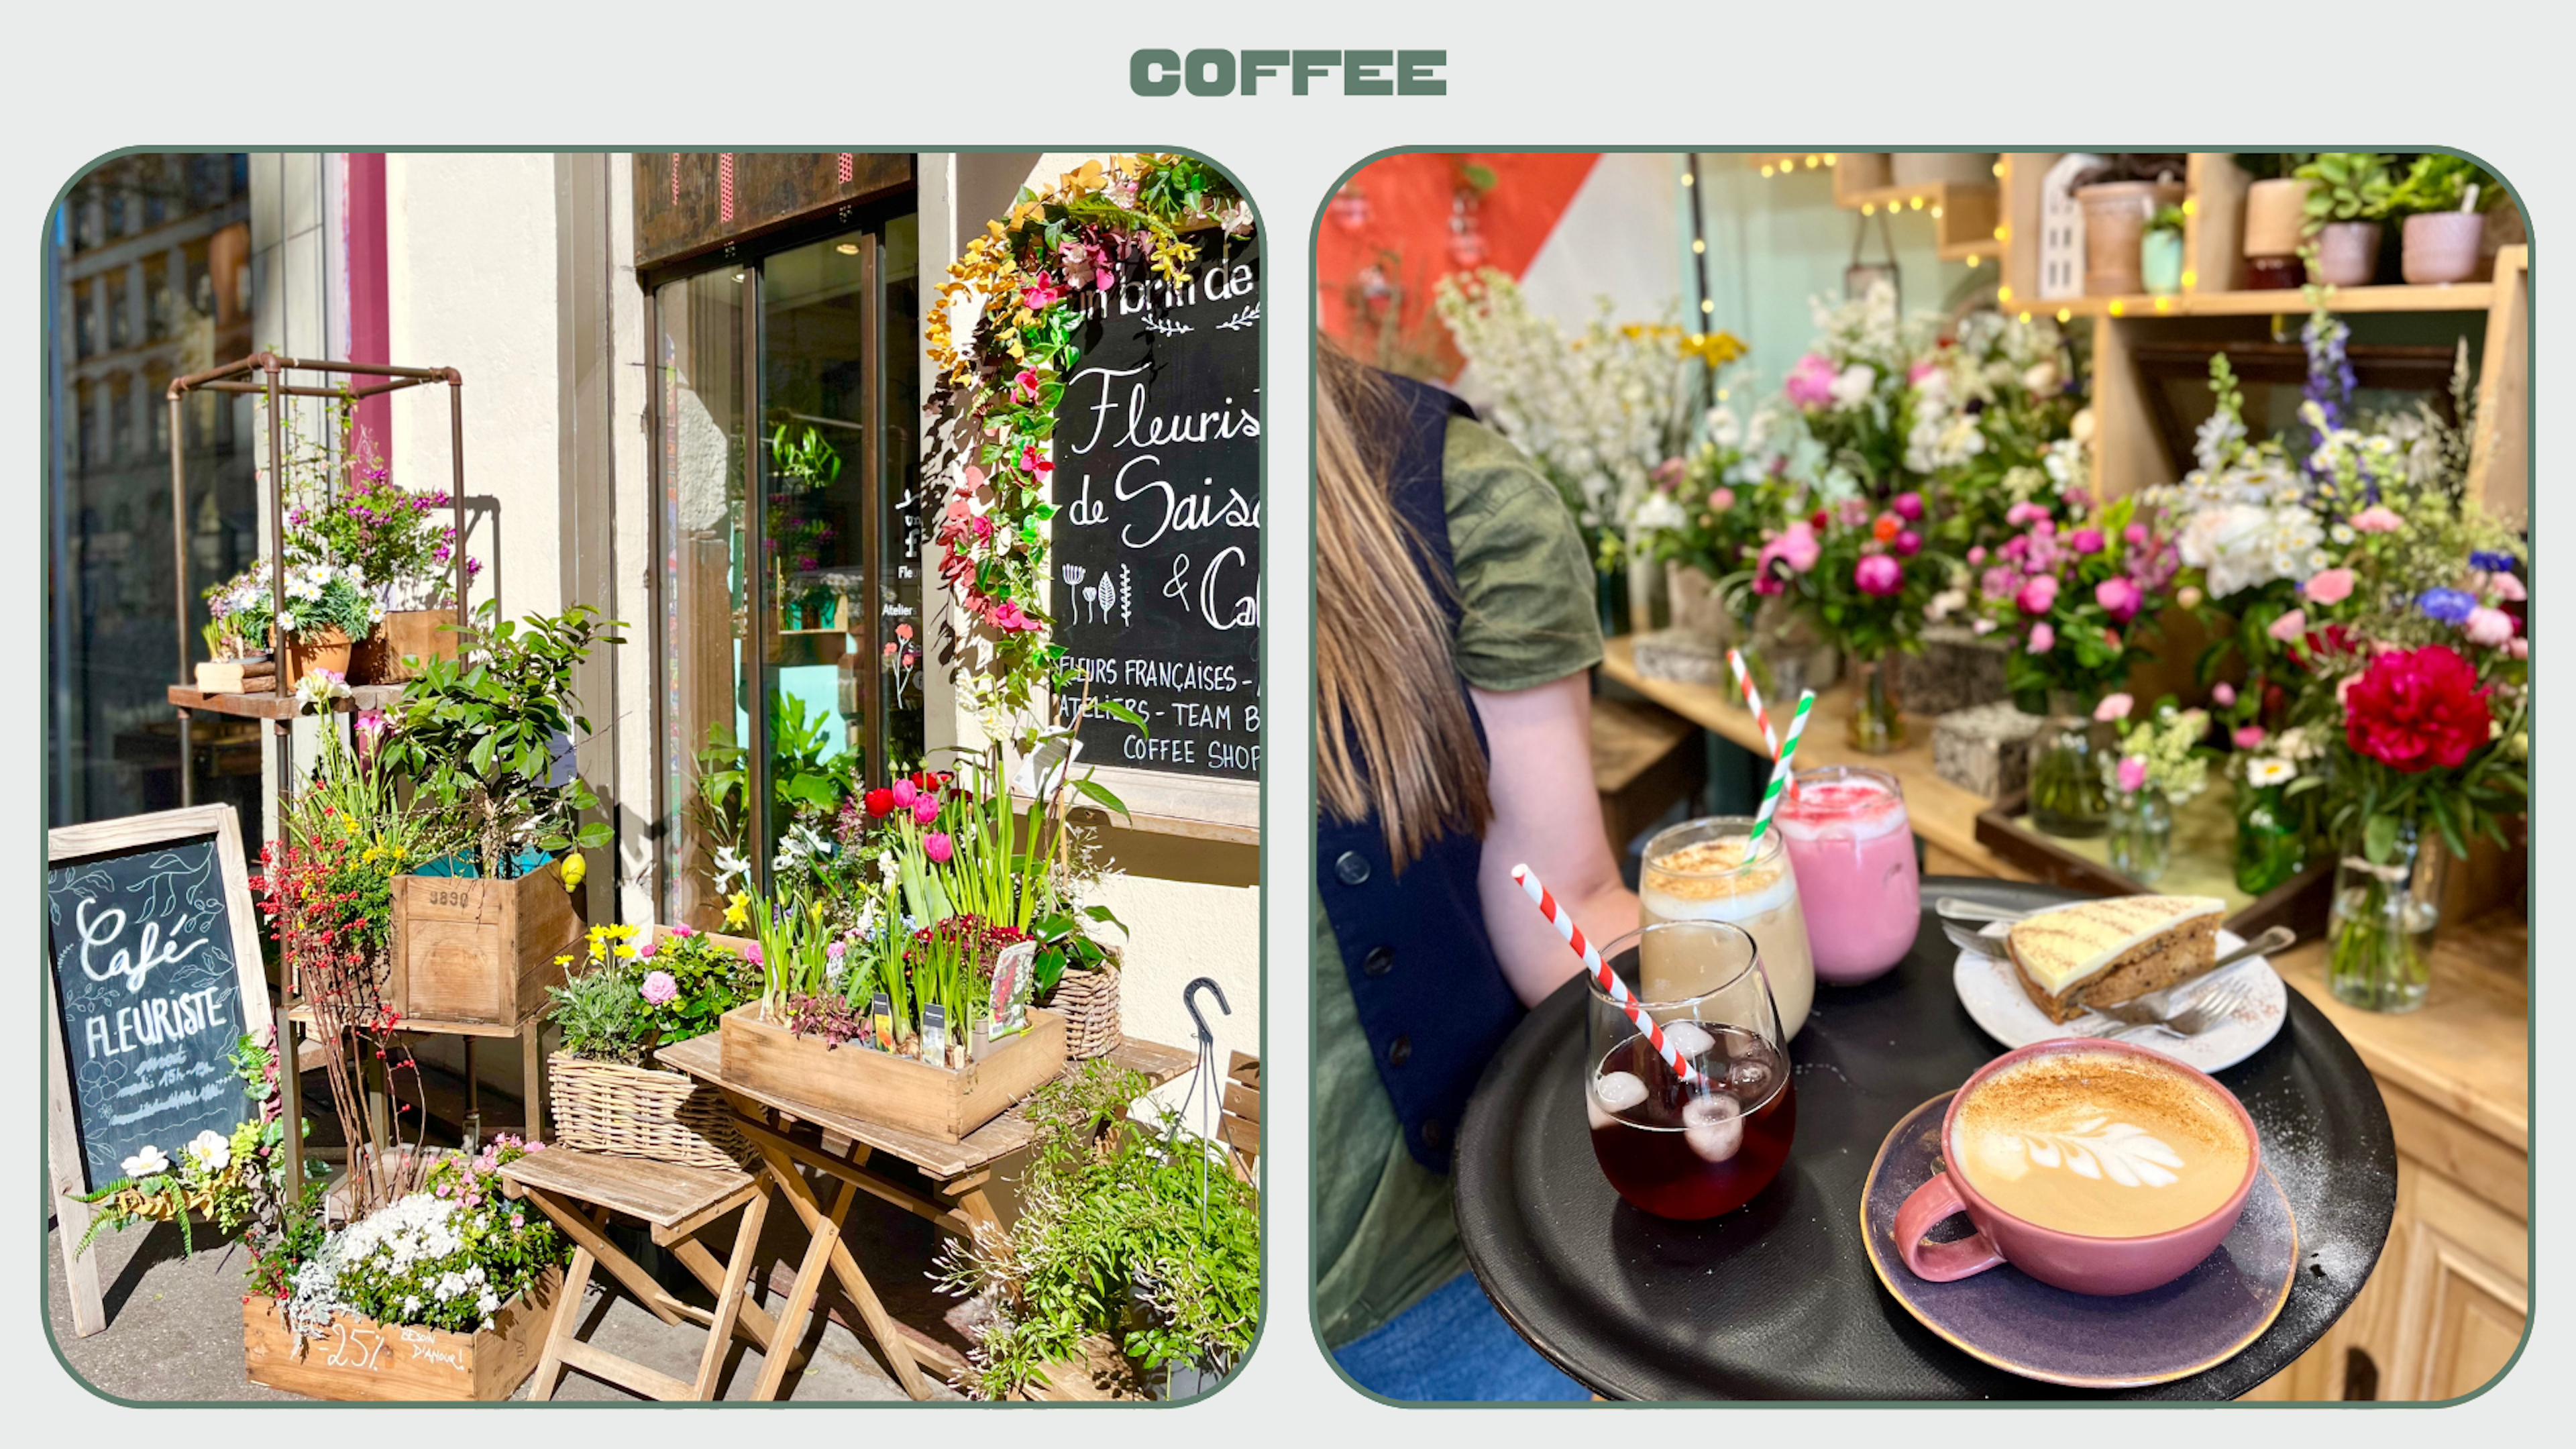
325 649
1923 168
2442 246
2348 253
403 634
2275 214
1861 170
2115 220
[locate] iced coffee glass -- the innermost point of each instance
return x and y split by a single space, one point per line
1671 1146
1702 870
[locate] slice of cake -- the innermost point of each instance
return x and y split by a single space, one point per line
2109 951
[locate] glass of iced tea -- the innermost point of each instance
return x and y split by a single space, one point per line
1675 1148
1711 870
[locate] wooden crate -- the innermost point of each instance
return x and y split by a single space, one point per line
767 1059
474 950
360 1359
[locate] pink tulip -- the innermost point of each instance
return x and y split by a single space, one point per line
2332 586
904 793
2291 627
2248 736
938 847
2038 594
1878 575
2114 707
925 810
2378 518
2488 628
2042 638
2222 694
2120 598
2133 774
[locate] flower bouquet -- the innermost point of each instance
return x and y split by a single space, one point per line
2156 765
1997 422
1854 393
1708 516
1862 573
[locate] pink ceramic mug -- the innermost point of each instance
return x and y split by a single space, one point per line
2080 1264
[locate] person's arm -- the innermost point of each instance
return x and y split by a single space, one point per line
1547 817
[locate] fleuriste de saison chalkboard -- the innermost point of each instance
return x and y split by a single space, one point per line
1158 529
142 945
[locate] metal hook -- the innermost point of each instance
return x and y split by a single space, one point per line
1189 998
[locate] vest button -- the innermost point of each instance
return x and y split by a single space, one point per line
1353 868
1433 1134
1378 962
1399 1051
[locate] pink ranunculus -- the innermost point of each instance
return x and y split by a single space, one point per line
2042 638
1721 499
1810 383
1795 546
2518 647
1908 544
660 987
925 810
2133 774
2114 707
2038 594
2120 598
2248 736
1878 575
2378 518
2508 589
2329 586
938 846
1908 506
2291 627
2089 541
1977 555
904 793
2488 628
2222 694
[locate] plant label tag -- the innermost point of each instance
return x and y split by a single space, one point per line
1014 975
881 1016
934 1034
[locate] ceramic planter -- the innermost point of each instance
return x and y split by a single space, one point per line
2115 221
2348 253
404 634
2442 246
2275 215
2160 262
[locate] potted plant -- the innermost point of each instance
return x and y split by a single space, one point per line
343 509
2118 197
2276 208
2443 200
477 934
2346 202
2160 251
327 610
635 990
237 635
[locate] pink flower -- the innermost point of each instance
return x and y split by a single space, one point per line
1922 370
644 951
2247 736
2133 773
1721 499
2223 694
1043 295
2089 540
2508 589
2519 647
2038 594
2119 598
661 987
1796 546
2135 533
1026 385
1977 555
684 931
1909 543
2042 638
1668 473
1878 575
904 793
925 810
1810 383
1012 619
2291 627
2378 518
2021 513
2114 707
2332 586
1035 462
938 847
751 953
2488 628
1908 506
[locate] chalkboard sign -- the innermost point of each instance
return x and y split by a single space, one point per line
1157 595
156 976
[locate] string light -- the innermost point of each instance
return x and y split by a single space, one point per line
1814 161
2003 231
1916 202
1687 178
1867 209
2065 314
2119 308
2004 292
2191 206
2164 304
1766 170
1829 158
1974 259
1698 245
1999 171
2190 280
1706 306
2025 316
1936 213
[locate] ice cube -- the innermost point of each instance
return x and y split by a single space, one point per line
1748 1075
1713 1126
1689 1038
1618 1091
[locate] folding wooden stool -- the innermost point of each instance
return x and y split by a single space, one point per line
579 1190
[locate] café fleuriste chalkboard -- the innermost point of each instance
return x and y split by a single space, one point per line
1157 535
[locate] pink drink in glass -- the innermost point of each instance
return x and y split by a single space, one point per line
1853 850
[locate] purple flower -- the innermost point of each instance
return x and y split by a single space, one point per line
2450 606
660 987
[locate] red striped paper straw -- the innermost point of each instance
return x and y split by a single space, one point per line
1753 700
1572 935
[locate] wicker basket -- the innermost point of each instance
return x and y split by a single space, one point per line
1089 1001
640 1112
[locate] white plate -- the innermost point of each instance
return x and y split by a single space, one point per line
1990 988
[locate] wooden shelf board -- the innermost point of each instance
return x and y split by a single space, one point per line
2455 297
263 705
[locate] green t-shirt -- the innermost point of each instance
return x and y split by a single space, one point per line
1384 1231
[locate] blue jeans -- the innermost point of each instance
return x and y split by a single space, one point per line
1452 1346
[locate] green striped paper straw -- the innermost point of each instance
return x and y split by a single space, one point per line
1780 772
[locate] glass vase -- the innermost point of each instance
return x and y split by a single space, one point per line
2380 930
2270 846
2141 827
2067 797
1877 725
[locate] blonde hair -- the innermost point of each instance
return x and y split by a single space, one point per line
1392 728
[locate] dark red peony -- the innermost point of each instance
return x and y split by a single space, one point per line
2417 710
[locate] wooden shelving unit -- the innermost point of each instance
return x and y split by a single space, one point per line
1965 215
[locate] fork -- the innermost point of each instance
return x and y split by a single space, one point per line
2208 1007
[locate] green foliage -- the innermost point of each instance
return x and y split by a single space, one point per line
603 1015
2350 186
445 1257
1114 1239
2169 218
2439 182
810 775
478 732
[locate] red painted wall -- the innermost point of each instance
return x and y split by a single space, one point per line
370 318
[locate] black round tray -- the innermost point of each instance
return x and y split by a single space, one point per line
1777 1300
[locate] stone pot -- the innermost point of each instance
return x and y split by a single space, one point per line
2115 221
2348 253
2160 262
2275 216
1924 168
2442 246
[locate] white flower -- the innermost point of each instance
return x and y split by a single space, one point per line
2040 378
1236 220
1853 385
488 1303
2266 771
1944 604
1657 511
147 1163
1723 427
212 1151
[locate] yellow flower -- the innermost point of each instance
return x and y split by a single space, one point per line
625 952
736 915
563 960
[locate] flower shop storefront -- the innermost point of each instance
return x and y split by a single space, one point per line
2145 525
758 777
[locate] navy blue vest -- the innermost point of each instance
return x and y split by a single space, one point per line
1432 998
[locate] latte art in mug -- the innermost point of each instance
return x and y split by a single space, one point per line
2102 1144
